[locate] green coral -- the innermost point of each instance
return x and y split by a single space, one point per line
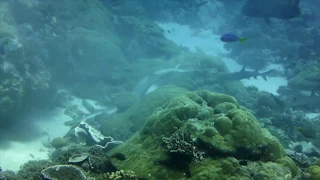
271 170
120 175
32 170
168 145
314 171
223 125
63 172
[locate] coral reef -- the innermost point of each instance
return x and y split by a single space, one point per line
313 172
90 136
202 135
63 172
32 170
183 143
120 175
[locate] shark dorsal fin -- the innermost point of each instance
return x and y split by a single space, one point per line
243 69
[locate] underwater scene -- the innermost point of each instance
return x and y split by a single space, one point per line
159 90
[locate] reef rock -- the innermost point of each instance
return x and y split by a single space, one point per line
90 136
63 172
204 135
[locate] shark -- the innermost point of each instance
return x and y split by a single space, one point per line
159 78
243 74
280 9
297 99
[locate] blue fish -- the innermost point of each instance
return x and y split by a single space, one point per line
232 38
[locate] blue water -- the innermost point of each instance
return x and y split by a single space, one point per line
114 65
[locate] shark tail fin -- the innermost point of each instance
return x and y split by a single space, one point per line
264 77
265 74
243 40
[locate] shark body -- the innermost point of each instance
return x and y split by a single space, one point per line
243 74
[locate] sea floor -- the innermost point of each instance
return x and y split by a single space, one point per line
18 153
50 124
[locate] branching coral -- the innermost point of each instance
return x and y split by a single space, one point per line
63 172
121 175
182 142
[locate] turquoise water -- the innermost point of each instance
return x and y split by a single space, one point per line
107 89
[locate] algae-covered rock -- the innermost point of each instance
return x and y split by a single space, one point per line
32 170
63 172
232 169
271 170
314 172
226 168
308 79
223 125
290 164
179 141
59 142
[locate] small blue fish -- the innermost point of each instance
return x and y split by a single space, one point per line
2 47
232 38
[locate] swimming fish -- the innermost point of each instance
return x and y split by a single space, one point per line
232 38
307 132
243 74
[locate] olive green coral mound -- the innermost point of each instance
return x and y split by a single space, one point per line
202 135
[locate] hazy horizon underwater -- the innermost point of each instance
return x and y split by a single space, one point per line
159 90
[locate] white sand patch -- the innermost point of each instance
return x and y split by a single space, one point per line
312 115
52 125
22 152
